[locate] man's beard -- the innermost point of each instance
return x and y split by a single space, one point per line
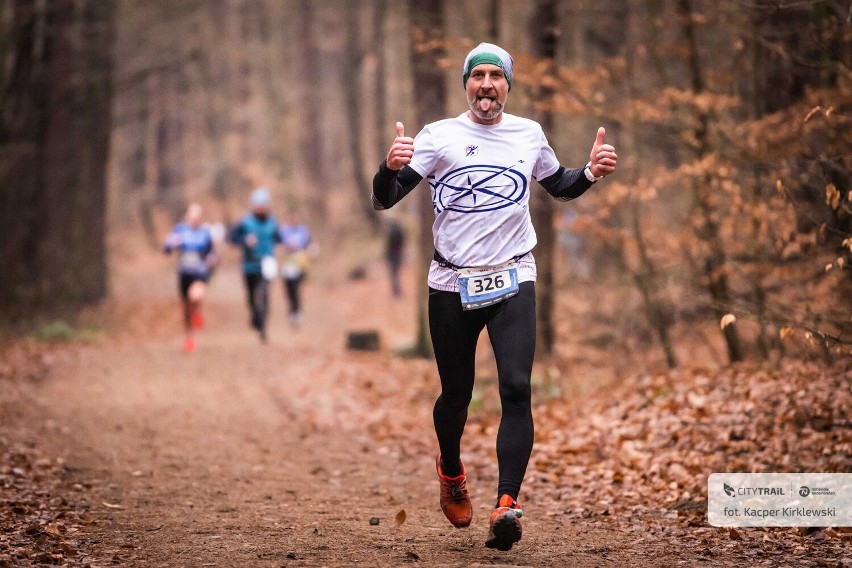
490 114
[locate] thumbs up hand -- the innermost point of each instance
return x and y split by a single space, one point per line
401 150
602 157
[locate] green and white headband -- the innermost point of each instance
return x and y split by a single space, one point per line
488 53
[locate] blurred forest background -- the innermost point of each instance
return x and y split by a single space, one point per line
725 235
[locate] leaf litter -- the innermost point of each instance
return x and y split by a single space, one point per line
635 457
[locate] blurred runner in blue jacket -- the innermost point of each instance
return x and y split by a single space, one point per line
196 256
296 238
257 234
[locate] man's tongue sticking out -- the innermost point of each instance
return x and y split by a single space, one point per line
485 104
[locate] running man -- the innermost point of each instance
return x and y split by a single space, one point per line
295 238
194 244
257 234
480 166
394 254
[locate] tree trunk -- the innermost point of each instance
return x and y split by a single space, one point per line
310 143
22 103
382 123
431 97
544 27
645 279
351 86
645 272
715 264
54 155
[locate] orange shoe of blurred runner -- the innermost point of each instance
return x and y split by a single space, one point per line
504 527
197 320
455 499
189 345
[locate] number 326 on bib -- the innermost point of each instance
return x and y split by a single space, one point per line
479 288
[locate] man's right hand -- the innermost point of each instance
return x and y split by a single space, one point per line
401 150
251 240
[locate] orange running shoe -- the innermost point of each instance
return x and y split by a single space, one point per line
197 320
455 500
505 526
189 344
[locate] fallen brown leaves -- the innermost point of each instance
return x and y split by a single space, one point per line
25 360
636 458
633 459
640 457
41 510
399 394
40 513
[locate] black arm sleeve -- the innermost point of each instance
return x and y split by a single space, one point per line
566 184
390 186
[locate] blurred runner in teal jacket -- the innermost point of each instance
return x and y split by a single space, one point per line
257 234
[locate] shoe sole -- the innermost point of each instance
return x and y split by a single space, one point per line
458 524
507 531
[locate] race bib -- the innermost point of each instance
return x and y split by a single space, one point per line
480 287
290 270
268 267
191 261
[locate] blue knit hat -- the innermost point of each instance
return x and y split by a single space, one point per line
488 53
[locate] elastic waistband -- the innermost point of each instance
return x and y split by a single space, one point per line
444 263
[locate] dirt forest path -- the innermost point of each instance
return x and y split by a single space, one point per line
280 455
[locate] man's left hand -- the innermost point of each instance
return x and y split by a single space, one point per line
603 157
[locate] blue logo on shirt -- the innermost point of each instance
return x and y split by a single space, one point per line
478 188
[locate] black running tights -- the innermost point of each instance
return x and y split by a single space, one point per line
511 328
257 289
291 286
